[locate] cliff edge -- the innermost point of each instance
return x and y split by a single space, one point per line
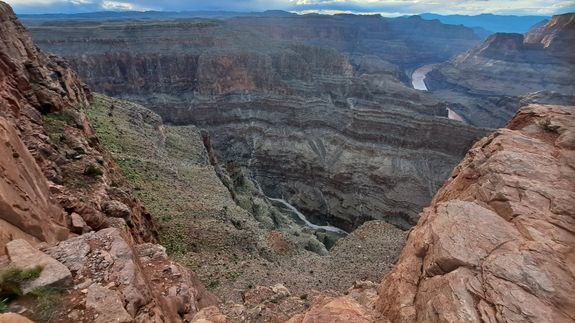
496 244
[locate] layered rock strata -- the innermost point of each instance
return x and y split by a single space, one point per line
482 82
340 164
296 112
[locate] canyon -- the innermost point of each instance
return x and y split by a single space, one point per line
490 82
299 102
280 168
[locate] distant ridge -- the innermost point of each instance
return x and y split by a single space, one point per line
490 22
115 15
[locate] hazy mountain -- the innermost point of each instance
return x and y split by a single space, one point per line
490 22
146 15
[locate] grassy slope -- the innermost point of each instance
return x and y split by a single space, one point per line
169 171
230 249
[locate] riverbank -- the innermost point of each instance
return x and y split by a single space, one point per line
304 219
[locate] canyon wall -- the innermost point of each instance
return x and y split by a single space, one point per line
340 164
488 82
298 101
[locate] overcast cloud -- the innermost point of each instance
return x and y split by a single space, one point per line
386 7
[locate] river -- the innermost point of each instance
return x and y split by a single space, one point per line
305 220
418 77
418 82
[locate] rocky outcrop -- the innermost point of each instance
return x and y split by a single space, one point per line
507 66
115 281
58 182
30 83
496 242
52 163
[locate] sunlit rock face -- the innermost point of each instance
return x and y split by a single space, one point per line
496 243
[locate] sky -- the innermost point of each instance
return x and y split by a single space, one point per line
385 7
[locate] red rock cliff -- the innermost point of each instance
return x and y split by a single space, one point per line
47 146
30 83
496 244
65 207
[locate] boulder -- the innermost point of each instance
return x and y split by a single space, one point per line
54 274
338 310
107 305
116 209
79 226
13 318
209 315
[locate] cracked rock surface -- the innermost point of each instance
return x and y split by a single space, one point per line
496 244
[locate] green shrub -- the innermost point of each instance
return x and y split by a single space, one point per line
11 279
47 304
3 305
93 171
547 126
213 284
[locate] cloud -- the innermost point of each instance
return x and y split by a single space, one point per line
119 6
539 7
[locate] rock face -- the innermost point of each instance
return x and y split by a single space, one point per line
55 177
298 101
48 148
30 82
496 244
481 81
338 310
107 304
26 209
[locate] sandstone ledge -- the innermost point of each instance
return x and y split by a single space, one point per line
496 244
